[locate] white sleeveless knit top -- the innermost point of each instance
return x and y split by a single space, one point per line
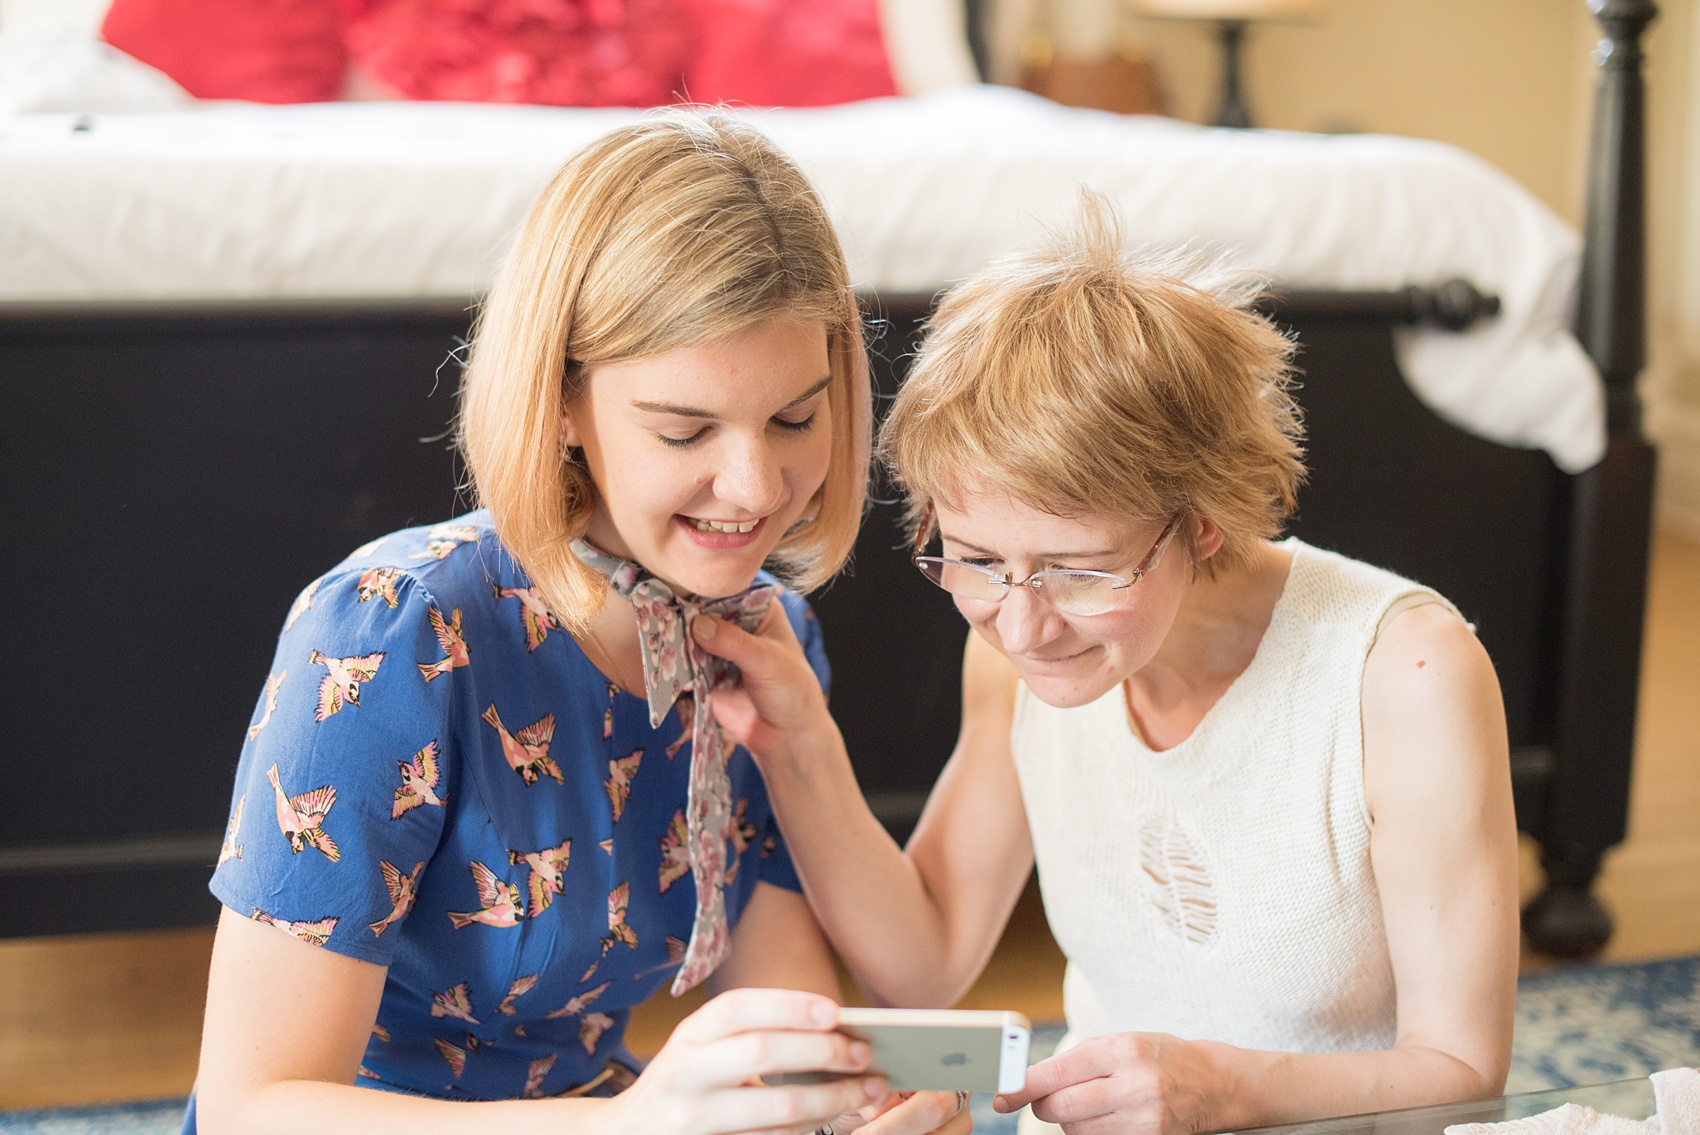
1222 890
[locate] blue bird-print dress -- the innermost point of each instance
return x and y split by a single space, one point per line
438 780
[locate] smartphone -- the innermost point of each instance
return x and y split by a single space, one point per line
920 1050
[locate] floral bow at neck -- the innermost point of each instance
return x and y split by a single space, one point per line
674 665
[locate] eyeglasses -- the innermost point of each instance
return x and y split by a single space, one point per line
1071 592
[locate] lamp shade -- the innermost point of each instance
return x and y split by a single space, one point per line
1228 9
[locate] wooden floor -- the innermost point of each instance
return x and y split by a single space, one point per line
112 1017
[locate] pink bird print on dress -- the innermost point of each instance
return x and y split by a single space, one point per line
608 713
527 751
686 706
675 856
230 848
580 1003
619 782
590 1030
618 931
315 933
675 958
301 818
342 684
303 603
501 902
606 845
419 777
535 1074
381 1033
367 548
518 989
455 1056
742 832
272 683
455 1002
445 538
547 867
449 638
402 893
534 614
378 583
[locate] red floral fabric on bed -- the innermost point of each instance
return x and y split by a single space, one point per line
558 52
788 52
622 52
261 50
555 52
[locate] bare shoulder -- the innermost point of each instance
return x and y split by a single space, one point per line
1433 718
1423 652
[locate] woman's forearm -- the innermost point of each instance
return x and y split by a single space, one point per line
1259 1089
341 1109
868 895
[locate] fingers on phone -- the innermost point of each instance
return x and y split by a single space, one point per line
750 1010
791 1106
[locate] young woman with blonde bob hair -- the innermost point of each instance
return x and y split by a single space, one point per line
1266 786
484 796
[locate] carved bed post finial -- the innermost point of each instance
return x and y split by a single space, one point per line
1611 308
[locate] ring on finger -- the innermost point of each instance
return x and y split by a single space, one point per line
961 1101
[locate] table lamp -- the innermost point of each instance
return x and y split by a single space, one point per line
1232 17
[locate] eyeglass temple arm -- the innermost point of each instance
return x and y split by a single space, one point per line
1163 539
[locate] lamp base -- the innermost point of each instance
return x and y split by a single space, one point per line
1233 111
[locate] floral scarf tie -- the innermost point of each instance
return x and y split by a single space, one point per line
673 665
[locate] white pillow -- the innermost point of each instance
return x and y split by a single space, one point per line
56 69
927 41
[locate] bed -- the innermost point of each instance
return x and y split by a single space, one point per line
225 338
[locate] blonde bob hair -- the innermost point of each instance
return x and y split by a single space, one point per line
1085 381
681 229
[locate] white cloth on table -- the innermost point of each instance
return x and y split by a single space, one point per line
1676 1095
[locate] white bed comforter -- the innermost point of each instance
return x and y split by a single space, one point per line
234 201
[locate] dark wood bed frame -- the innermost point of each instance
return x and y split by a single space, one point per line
177 472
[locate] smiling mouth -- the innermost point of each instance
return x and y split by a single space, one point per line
1059 659
731 526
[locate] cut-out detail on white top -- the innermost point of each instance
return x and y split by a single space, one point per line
1178 879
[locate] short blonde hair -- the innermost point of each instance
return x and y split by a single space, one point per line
681 229
1086 381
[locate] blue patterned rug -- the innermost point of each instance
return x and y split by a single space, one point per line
1582 1025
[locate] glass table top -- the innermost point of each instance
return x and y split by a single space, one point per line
1631 1099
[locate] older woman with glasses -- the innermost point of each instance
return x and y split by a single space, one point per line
1266 786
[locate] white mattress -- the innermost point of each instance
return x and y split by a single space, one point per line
230 201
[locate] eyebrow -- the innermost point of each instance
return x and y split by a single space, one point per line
679 411
1075 555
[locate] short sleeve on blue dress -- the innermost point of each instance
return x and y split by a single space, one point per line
339 793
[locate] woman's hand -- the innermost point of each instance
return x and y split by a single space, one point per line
910 1113
1139 1083
703 1081
777 706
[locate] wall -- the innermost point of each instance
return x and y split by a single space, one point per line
1510 80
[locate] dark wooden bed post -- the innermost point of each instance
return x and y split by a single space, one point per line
1587 800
